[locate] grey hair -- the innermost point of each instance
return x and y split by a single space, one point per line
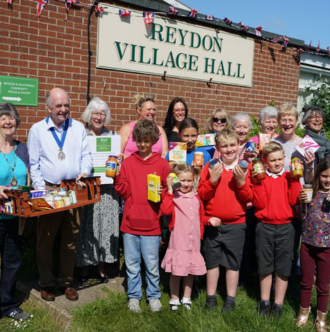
243 116
269 112
10 110
48 102
96 104
309 110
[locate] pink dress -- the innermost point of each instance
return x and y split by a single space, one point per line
183 255
131 145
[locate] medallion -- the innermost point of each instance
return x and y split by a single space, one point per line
61 155
13 182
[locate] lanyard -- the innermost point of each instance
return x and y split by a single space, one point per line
60 143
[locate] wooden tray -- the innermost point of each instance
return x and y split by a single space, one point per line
89 194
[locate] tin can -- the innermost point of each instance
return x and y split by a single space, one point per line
308 189
198 158
250 146
73 197
58 202
243 164
176 184
213 162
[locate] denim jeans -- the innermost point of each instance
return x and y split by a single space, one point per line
148 247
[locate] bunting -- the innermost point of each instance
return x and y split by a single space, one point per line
99 9
124 12
69 3
243 26
173 11
285 41
209 17
227 21
193 13
148 17
40 6
257 31
318 48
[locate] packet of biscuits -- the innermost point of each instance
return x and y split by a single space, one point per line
39 204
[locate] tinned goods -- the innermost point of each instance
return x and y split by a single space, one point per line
308 189
213 163
243 164
258 167
111 166
176 184
297 168
250 146
73 197
198 158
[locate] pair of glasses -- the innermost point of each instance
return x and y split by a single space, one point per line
101 115
222 120
179 111
317 117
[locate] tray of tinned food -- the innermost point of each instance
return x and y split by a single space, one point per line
23 202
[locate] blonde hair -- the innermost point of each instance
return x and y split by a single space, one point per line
222 113
287 109
271 147
185 168
139 100
225 136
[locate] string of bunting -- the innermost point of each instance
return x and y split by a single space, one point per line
148 18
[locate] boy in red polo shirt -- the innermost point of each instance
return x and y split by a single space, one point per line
274 199
225 190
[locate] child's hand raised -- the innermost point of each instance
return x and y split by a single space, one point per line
169 181
239 175
215 222
302 196
309 158
215 173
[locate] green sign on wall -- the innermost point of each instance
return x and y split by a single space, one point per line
19 90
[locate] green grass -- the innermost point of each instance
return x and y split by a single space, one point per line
42 321
112 314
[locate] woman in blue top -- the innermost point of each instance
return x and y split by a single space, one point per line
188 133
14 160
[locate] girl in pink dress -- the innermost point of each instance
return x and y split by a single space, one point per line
183 257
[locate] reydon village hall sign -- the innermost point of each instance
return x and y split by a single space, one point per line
181 49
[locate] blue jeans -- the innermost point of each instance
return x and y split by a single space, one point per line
148 246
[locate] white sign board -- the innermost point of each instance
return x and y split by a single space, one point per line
181 49
101 147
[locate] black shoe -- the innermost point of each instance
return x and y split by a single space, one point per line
18 314
263 308
276 311
104 280
211 302
228 307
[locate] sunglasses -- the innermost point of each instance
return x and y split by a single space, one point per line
222 120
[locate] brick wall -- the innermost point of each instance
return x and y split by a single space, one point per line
53 48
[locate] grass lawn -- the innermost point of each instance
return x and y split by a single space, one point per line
112 314
42 321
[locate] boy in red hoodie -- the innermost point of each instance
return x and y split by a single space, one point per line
225 189
274 200
141 220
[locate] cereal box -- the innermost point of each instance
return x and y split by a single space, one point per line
178 152
153 186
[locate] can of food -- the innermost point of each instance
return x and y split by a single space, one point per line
250 146
198 158
58 202
308 189
297 168
258 167
243 164
176 184
213 163
66 200
73 197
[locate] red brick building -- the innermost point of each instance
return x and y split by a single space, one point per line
54 49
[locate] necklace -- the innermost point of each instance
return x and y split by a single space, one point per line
13 181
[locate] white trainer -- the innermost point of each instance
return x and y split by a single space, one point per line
134 305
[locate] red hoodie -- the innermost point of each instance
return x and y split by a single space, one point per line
141 216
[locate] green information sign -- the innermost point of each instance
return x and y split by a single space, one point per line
19 90
103 144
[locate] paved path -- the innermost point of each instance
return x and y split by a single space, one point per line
61 307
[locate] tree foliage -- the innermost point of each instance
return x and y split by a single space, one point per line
321 98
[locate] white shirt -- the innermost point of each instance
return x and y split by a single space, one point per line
43 151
